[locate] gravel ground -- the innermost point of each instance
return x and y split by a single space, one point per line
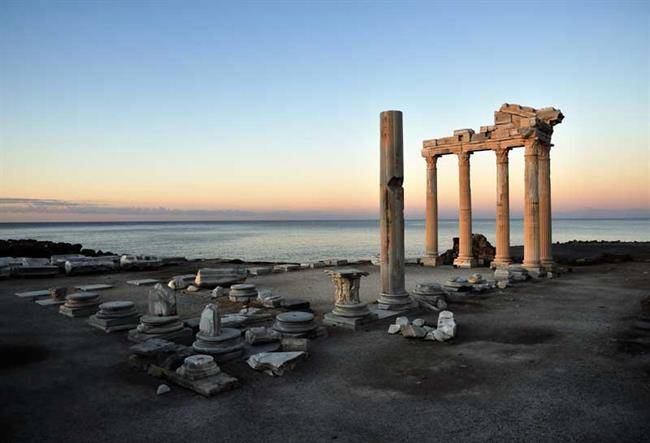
540 361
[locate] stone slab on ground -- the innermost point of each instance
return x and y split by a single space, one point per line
275 363
94 287
34 294
114 325
76 313
208 386
183 336
295 304
143 282
386 314
49 302
351 323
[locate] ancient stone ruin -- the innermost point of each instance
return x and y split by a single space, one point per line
514 126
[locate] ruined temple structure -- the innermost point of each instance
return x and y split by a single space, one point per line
514 126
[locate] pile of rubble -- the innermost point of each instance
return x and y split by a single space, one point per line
473 283
445 330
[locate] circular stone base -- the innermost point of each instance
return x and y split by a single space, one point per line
226 334
356 310
155 320
217 349
295 322
395 302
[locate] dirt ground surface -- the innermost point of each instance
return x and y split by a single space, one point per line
553 359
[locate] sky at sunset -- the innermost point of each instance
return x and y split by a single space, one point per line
172 110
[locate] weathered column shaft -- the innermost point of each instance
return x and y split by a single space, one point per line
465 257
391 191
531 209
545 236
502 256
431 215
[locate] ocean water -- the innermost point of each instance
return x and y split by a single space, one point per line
292 240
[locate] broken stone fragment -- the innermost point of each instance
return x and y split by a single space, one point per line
249 311
162 389
418 322
502 284
192 288
218 292
181 281
441 304
475 278
446 324
402 321
294 344
394 329
275 363
262 335
161 301
412 331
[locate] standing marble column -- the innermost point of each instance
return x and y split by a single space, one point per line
545 240
431 215
465 257
531 210
391 213
502 257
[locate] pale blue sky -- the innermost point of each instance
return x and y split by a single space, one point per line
274 105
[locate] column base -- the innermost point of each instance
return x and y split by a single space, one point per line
501 263
535 270
395 302
465 262
431 260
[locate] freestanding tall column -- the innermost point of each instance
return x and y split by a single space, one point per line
502 257
465 257
545 241
531 210
431 216
391 213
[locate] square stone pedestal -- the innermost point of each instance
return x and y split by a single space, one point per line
351 323
114 324
465 262
431 261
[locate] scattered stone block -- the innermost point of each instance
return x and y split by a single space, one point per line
418 322
402 321
142 282
211 278
295 304
412 331
394 329
288 267
260 270
201 374
181 281
34 294
90 265
34 270
139 262
218 292
289 344
336 262
262 335
94 287
275 363
60 259
163 389
192 288
162 320
317 264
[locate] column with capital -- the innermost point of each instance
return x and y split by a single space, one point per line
431 215
502 257
531 210
545 236
465 257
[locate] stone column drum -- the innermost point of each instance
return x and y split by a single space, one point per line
502 257
391 213
431 215
545 240
465 257
531 210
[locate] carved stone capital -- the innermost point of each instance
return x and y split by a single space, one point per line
432 161
502 155
463 158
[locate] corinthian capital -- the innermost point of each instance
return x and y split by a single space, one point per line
532 148
432 161
502 155
463 158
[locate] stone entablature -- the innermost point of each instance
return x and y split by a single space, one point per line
514 125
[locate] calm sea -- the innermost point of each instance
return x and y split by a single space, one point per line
292 240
